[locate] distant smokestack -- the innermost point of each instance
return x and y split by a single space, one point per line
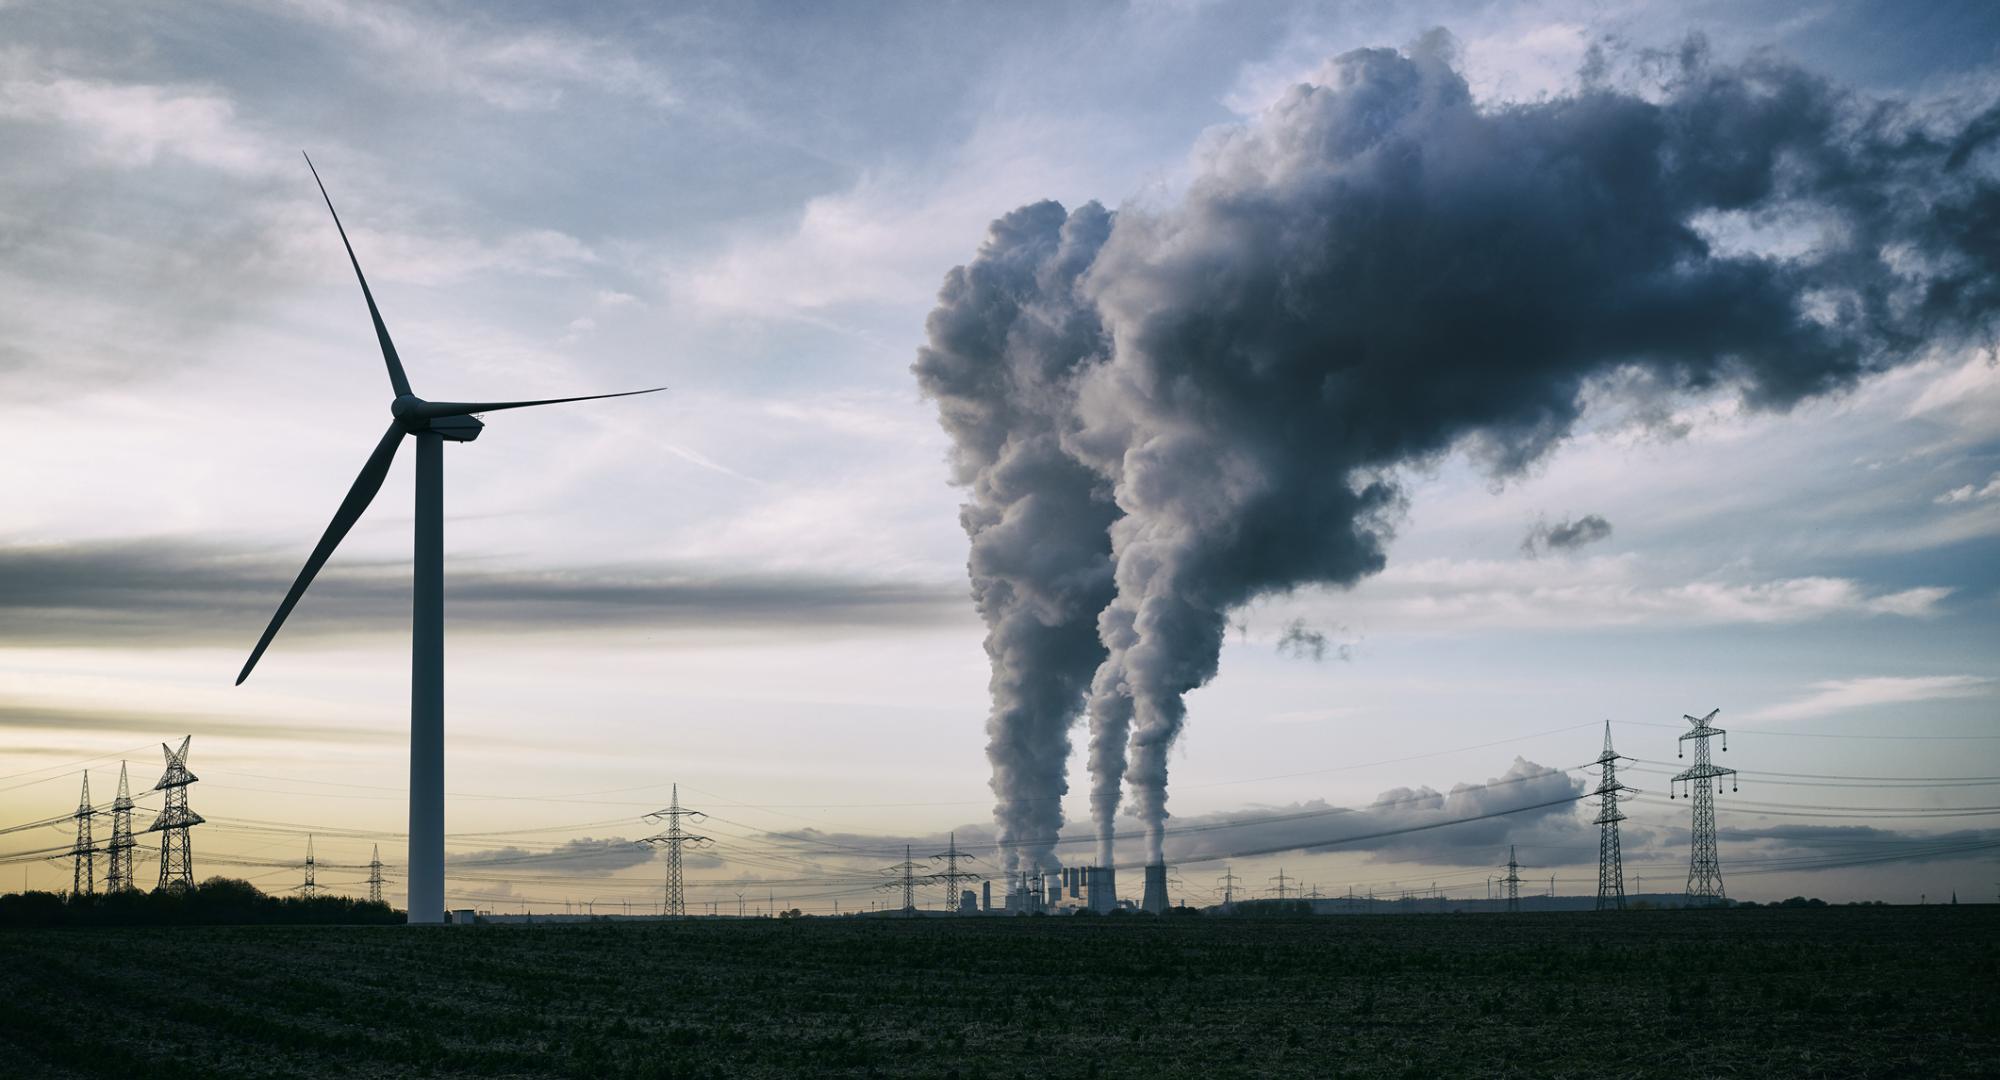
1156 889
1103 888
986 896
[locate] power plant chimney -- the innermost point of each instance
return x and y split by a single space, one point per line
1155 900
986 896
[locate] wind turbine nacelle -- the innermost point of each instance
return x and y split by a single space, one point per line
454 428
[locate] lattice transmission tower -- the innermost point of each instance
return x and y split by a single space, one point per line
84 881
907 882
674 903
1283 880
1228 882
375 876
952 874
1512 881
118 876
176 855
1704 781
310 886
1610 861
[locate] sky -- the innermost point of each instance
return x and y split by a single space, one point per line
754 584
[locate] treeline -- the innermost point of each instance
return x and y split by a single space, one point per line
218 901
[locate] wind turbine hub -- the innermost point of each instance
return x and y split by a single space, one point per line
403 404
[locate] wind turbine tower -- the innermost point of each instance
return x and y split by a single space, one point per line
431 424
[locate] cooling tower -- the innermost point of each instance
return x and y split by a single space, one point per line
1156 890
1103 887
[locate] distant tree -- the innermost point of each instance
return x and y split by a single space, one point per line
216 902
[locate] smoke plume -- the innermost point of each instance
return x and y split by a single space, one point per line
1008 337
1377 272
1564 535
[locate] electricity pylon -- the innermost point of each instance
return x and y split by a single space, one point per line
676 838
1703 780
1282 881
952 874
908 882
84 882
1610 861
375 876
310 887
176 857
118 875
1228 882
1512 881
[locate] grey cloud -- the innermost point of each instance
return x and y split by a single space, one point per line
1310 826
1564 535
1379 271
1862 842
586 856
153 725
172 593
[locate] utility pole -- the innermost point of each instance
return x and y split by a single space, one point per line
1282 880
1703 780
118 875
1610 861
952 874
676 838
1513 882
375 876
1228 882
907 883
176 856
84 882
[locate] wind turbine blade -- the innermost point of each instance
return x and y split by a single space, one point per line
396 377
436 410
357 500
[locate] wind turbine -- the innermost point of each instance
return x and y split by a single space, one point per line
432 424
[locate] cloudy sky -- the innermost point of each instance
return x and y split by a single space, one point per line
755 584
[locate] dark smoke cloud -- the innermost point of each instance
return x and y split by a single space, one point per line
1564 535
1378 272
1007 339
1301 641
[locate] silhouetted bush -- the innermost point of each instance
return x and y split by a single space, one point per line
219 901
